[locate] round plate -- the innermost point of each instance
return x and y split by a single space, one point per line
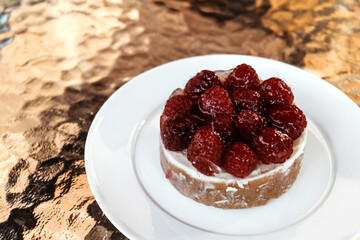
123 166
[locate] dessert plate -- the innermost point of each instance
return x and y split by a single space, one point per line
123 166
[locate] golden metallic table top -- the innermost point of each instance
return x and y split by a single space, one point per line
60 60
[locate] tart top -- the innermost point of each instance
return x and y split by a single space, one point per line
232 123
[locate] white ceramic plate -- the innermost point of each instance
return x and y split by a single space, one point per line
124 173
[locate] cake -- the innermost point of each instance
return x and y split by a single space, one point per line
230 140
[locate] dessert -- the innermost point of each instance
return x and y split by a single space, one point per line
230 140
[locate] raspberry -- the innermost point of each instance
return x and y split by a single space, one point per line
163 119
243 76
216 101
248 124
272 146
240 160
225 126
205 166
177 132
206 148
289 119
178 105
198 121
177 91
247 99
276 92
202 81
198 113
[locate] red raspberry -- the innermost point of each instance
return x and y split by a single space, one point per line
248 124
178 105
177 132
205 166
216 101
240 160
202 81
247 99
289 119
178 91
243 76
163 119
198 113
205 148
272 146
276 92
225 126
198 121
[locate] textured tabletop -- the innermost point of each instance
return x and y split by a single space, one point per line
61 59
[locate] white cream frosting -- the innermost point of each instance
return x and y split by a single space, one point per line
179 159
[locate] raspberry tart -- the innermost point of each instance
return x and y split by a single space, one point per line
230 140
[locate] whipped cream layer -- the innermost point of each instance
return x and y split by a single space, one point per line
179 159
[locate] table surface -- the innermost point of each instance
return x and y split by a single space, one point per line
60 60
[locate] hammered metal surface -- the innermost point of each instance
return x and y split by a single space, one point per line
60 60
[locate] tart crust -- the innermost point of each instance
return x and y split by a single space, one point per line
231 195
